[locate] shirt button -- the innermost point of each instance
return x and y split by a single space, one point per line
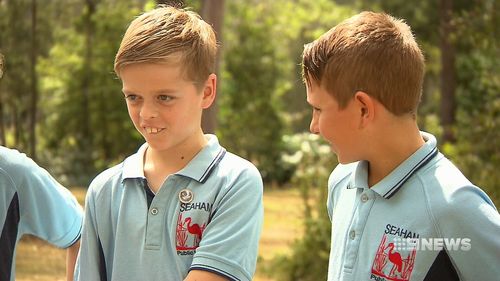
154 211
352 234
364 198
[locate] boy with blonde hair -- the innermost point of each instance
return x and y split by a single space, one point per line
181 208
399 209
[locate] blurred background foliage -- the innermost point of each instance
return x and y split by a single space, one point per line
61 103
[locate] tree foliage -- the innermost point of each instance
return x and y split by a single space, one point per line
262 95
312 162
250 81
25 35
88 127
477 151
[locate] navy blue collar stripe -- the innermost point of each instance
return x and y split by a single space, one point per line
212 165
420 164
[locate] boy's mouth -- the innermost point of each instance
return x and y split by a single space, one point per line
151 130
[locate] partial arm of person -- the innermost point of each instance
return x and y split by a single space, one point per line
48 210
201 275
71 255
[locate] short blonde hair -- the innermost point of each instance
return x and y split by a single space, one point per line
370 52
170 35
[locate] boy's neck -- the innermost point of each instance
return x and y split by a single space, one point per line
159 164
392 147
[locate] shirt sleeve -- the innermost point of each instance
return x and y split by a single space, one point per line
229 246
475 221
47 209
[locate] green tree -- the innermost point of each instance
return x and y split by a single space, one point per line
250 125
24 38
262 89
477 127
86 125
212 11
312 161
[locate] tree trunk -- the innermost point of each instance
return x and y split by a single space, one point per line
448 77
212 11
2 125
34 81
84 141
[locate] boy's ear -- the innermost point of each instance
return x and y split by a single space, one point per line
209 91
366 106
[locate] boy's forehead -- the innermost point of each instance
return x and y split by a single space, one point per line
318 94
312 87
152 76
311 92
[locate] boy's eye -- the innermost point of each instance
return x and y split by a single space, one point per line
315 109
131 97
164 98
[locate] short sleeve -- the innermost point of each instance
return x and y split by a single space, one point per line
229 246
47 209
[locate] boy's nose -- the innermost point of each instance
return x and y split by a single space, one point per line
313 127
148 111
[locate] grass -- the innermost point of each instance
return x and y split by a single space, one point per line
39 261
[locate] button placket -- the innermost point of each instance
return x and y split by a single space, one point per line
357 226
155 229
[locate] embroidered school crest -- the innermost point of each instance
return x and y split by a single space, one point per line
191 224
188 235
392 264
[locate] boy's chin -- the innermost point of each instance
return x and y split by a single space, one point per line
345 160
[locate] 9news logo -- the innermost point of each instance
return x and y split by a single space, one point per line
432 244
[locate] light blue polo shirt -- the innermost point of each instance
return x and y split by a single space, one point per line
33 202
217 231
424 221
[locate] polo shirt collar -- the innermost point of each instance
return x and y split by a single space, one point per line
202 165
199 168
133 166
389 185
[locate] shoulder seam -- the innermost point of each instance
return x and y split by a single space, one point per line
428 206
106 178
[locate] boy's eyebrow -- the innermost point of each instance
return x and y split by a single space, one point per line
165 91
160 91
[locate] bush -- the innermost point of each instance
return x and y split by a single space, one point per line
312 162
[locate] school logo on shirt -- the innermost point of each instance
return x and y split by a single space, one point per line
190 228
392 262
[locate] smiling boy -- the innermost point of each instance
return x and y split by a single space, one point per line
182 207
